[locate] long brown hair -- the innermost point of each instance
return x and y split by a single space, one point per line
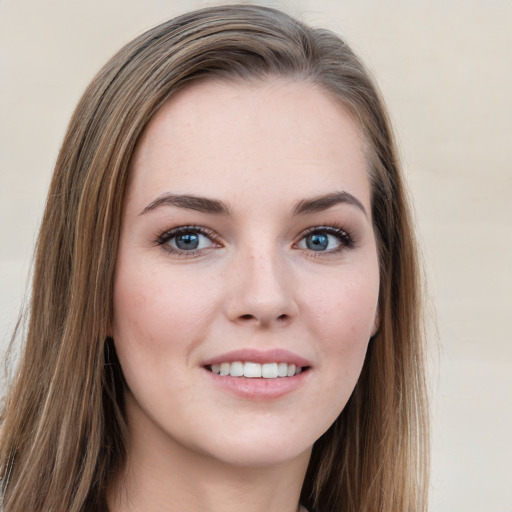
62 435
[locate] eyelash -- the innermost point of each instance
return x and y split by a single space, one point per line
344 237
165 237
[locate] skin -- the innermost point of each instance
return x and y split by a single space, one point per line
253 283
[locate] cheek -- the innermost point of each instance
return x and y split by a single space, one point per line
346 309
341 319
157 312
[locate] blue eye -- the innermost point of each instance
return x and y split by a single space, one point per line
325 239
186 239
187 242
317 242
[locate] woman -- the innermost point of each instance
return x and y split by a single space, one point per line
226 308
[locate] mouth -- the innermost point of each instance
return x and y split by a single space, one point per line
253 374
254 370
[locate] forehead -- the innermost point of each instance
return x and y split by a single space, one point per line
217 136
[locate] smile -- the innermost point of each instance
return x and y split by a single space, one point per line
253 370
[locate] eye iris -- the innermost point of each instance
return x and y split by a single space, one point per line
188 241
317 242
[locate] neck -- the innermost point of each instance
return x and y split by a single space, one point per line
167 476
202 485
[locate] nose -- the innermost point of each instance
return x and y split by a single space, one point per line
262 290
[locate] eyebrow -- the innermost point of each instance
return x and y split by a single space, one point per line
190 202
322 203
216 207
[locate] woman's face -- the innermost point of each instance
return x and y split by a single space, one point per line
246 248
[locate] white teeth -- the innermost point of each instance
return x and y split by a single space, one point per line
225 368
269 370
237 369
282 369
256 370
252 370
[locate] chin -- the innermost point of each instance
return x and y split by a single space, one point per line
262 443
261 455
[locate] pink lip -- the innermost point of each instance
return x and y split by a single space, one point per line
259 356
259 389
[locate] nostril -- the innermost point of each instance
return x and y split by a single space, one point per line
264 319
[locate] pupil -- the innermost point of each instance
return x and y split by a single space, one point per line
189 241
317 242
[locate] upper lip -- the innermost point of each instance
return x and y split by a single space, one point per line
259 356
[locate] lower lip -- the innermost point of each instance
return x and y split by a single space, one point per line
259 388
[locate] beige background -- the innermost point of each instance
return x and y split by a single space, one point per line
445 69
